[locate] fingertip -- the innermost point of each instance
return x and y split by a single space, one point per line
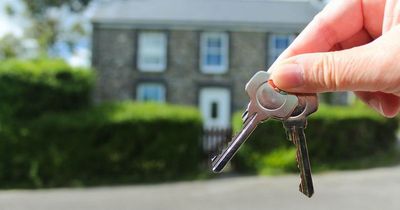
388 105
288 77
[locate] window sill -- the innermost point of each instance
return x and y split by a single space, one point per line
151 70
213 70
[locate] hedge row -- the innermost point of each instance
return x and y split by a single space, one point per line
112 143
31 87
50 135
334 135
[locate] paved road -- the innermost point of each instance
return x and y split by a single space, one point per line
376 189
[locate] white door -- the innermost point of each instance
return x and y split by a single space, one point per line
215 106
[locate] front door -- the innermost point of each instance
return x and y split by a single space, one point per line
215 106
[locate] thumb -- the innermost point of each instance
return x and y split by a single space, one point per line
369 67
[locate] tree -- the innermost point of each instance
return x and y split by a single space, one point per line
38 7
46 29
9 46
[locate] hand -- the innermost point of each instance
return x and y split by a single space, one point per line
352 45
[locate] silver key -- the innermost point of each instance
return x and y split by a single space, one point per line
265 103
295 126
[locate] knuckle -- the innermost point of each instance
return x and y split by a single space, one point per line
387 67
324 72
324 28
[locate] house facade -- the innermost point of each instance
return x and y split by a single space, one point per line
191 52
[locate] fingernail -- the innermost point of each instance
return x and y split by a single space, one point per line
376 105
287 76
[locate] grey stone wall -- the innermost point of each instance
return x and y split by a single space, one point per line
248 55
115 61
113 58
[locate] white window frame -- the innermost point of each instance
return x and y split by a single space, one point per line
214 69
274 52
141 86
145 51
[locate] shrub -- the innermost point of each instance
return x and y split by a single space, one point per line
112 143
31 87
334 135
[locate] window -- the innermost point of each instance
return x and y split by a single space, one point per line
152 51
151 92
214 52
214 110
277 44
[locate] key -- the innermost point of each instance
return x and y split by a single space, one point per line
294 127
265 103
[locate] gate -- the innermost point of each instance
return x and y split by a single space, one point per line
214 140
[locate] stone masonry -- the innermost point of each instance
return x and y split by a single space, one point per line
114 58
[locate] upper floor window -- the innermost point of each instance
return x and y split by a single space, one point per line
152 51
277 44
214 52
151 92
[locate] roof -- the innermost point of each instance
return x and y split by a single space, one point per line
207 13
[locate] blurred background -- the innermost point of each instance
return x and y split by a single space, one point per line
121 104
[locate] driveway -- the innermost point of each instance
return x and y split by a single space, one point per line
375 189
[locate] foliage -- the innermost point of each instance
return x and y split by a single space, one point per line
335 135
51 136
48 27
38 7
9 10
10 47
45 32
113 143
32 87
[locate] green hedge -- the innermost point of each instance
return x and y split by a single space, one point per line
31 87
109 144
334 135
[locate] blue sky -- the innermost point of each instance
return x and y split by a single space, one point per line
16 24
13 24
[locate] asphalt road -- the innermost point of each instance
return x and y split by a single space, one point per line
375 189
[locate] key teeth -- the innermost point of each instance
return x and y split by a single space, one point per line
214 164
217 168
213 158
309 194
219 162
245 116
288 135
245 113
307 190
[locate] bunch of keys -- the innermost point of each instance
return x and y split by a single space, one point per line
266 102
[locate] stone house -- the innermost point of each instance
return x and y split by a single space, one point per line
191 52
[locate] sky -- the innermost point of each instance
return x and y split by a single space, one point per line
15 25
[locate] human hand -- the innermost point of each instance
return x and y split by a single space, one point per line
352 45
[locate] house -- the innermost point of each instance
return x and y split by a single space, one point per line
192 52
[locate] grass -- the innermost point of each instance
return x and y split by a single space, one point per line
390 158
